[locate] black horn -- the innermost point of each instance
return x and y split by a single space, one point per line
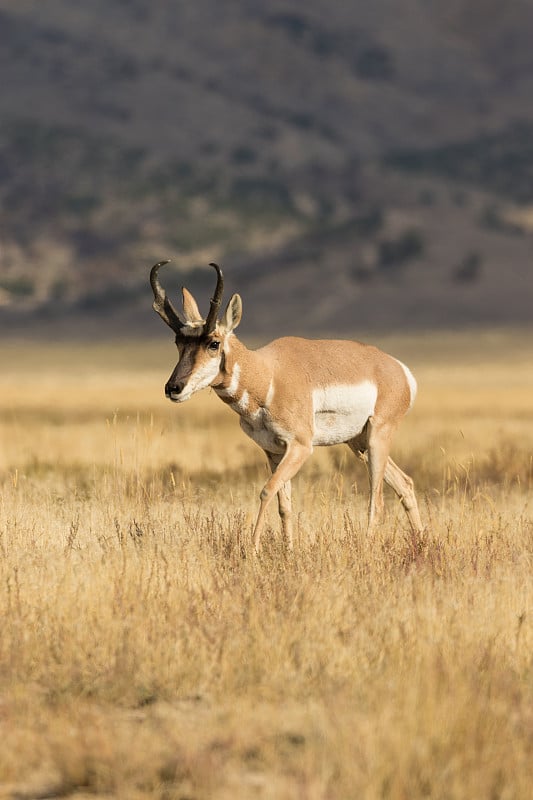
161 303
216 301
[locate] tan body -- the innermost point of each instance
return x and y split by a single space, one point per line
295 394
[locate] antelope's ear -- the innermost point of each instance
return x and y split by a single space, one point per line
190 307
233 313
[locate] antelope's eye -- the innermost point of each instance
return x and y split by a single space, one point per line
213 346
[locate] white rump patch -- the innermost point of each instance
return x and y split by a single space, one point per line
341 411
411 380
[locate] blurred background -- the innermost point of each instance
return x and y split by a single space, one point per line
352 166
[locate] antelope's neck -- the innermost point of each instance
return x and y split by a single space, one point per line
247 384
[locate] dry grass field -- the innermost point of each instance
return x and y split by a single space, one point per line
146 653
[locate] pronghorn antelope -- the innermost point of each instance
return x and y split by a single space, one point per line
292 395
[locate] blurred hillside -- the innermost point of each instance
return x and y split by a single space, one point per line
351 165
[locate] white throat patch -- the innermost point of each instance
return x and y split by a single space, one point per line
234 383
231 390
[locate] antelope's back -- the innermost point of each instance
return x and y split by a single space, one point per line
347 382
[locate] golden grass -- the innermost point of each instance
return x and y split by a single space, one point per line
144 653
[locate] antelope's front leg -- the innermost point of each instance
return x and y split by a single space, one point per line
284 502
295 455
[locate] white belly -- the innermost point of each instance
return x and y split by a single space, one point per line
341 412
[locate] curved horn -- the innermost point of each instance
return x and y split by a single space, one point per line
161 303
216 301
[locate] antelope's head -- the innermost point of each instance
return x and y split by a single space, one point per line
201 343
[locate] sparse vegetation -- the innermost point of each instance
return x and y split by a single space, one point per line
144 653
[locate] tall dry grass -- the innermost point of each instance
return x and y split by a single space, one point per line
145 653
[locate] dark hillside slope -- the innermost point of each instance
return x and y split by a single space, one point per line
345 158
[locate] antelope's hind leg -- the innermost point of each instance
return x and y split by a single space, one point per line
404 487
396 479
379 436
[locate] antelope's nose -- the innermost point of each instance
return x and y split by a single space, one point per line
174 388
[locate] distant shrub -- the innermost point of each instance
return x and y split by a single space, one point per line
369 222
374 63
426 197
301 119
460 198
493 219
469 269
82 204
268 132
58 290
363 274
368 59
18 287
294 25
244 155
490 217
261 194
395 253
